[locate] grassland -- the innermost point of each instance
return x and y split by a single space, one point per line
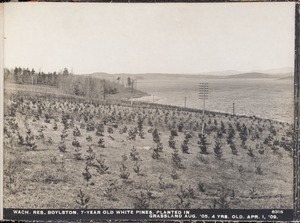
62 153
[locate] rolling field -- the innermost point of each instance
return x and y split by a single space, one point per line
74 154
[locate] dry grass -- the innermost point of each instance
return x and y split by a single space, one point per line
48 178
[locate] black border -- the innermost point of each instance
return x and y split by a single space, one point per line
289 214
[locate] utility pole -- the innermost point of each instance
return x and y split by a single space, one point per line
132 82
185 102
88 88
203 94
104 89
233 108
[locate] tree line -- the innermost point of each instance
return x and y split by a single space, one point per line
20 75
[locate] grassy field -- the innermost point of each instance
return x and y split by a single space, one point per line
122 93
64 154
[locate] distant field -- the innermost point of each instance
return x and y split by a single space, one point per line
122 93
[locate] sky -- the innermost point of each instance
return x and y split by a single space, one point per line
149 38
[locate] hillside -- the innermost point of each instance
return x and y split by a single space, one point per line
287 77
79 89
253 75
59 153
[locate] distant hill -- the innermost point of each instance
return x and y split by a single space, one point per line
287 77
253 75
230 74
282 70
209 75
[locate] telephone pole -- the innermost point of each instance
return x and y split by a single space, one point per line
185 102
132 82
233 108
203 94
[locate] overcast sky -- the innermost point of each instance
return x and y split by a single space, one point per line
141 38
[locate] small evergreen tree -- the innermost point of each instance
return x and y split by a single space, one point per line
223 130
218 149
90 156
101 143
100 166
203 144
155 136
134 154
172 142
124 174
132 134
140 127
76 132
177 160
155 154
230 134
86 174
185 146
233 149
